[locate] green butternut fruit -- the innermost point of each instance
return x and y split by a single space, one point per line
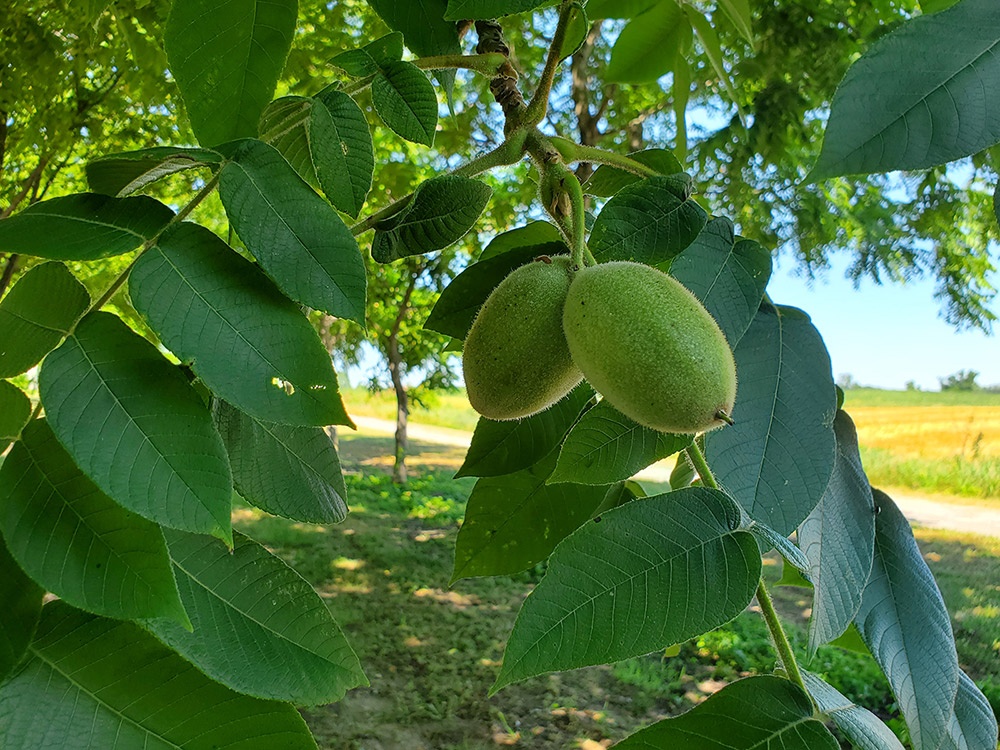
649 347
515 360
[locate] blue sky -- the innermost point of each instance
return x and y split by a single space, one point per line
886 335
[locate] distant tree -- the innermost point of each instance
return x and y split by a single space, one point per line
963 380
911 385
846 381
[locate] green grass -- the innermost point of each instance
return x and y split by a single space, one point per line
878 397
441 409
432 652
964 477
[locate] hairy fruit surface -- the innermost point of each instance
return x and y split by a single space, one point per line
516 360
649 347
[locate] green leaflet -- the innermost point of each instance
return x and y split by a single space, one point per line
505 447
371 58
84 226
904 623
226 58
777 458
459 9
649 45
250 344
653 572
297 238
727 274
78 543
650 222
289 471
605 446
863 728
441 211
15 410
115 686
755 713
36 314
133 423
128 172
618 8
259 627
514 521
838 538
918 97
22 600
405 100
532 233
973 723
607 180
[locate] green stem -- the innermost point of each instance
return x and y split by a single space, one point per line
539 103
578 225
574 152
386 213
778 636
488 64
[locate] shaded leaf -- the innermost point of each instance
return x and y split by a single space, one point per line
973 723
514 521
345 160
83 226
905 625
297 238
440 213
15 410
727 274
129 172
777 458
459 9
532 233
135 426
739 13
838 537
921 95
259 627
405 100
605 446
251 345
371 58
78 543
863 728
22 605
651 573
35 315
648 45
226 58
289 471
505 447
618 8
650 222
103 683
606 180
759 713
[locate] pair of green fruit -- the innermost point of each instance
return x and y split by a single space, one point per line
642 340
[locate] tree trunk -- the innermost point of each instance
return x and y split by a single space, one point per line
395 358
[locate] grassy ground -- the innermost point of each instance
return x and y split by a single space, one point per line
432 652
945 444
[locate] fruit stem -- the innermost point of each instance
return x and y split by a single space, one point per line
575 152
778 636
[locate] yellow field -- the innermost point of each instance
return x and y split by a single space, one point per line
969 432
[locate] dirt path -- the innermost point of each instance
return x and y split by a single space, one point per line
921 511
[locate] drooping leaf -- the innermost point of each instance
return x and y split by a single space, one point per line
36 314
15 410
618 8
78 543
83 226
739 13
709 39
605 446
297 238
649 44
289 471
505 447
441 211
459 303
727 274
921 95
650 222
973 723
863 728
226 57
259 627
459 9
838 537
755 713
405 100
777 458
104 683
126 173
345 160
651 573
135 425
22 605
368 60
606 181
249 343
905 625
577 29
514 521
768 538
532 233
